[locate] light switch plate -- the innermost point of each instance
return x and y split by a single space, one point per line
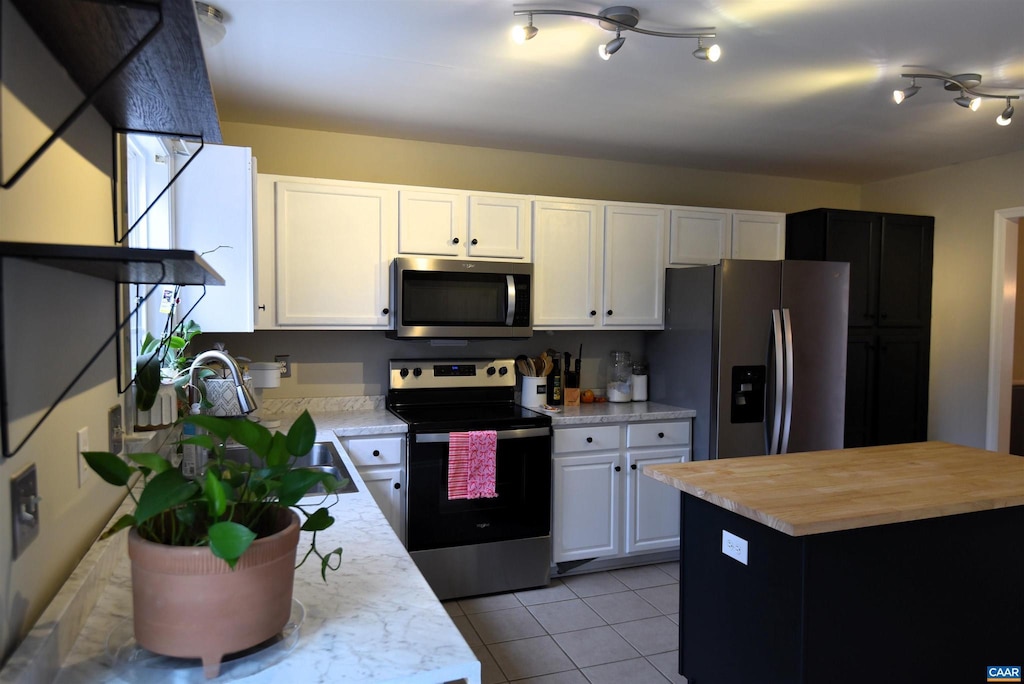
24 510
734 547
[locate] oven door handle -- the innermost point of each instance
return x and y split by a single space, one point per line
442 437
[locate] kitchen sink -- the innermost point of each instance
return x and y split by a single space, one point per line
323 457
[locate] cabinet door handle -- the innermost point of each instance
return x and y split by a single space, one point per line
590 440
609 312
473 241
385 311
455 241
593 312
632 466
263 307
376 452
661 435
618 469
398 485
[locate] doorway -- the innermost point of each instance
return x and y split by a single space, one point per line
1001 346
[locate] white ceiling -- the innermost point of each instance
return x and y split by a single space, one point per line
803 89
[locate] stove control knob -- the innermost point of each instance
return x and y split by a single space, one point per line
490 370
404 372
503 371
417 372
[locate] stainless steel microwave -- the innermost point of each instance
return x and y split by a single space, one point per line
458 298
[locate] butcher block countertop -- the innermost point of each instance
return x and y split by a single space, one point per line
828 491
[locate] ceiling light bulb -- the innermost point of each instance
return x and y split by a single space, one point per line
521 34
971 103
1004 118
211 24
712 53
900 95
975 104
611 47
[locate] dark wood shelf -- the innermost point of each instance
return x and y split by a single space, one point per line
164 89
119 264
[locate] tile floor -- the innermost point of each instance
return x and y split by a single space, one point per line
615 626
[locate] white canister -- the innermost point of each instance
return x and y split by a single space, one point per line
535 391
639 382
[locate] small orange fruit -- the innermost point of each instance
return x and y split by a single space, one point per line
587 396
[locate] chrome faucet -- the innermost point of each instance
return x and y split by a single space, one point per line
246 402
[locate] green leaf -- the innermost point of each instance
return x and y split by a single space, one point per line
296 484
175 342
277 454
147 380
204 440
216 497
155 463
109 466
219 426
162 493
301 435
125 521
325 562
319 520
252 435
229 540
149 344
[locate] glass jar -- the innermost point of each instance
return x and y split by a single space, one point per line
639 381
620 377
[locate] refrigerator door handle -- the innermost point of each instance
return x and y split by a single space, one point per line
787 420
773 444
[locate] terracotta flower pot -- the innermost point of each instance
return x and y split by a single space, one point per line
189 604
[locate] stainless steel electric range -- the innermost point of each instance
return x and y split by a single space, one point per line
468 547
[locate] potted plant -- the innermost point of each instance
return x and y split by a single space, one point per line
160 370
213 559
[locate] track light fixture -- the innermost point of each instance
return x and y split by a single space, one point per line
967 84
620 18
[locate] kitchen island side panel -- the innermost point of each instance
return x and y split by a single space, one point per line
931 600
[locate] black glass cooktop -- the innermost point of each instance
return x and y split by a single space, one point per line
466 417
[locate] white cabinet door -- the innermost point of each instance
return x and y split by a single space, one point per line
698 236
634 266
387 487
265 256
431 222
213 215
586 501
652 507
498 227
334 244
567 249
758 235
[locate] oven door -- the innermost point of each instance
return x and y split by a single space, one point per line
521 510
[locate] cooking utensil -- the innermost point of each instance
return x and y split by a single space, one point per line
524 365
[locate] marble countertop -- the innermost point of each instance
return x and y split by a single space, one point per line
375 620
613 412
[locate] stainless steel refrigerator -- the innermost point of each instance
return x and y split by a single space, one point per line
758 349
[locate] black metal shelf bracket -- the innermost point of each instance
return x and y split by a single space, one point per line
91 96
4 415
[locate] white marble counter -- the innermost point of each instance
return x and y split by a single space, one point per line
375 620
614 412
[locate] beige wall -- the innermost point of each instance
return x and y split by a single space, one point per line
295 152
53 321
963 198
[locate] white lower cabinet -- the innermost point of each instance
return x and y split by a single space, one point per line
380 461
603 505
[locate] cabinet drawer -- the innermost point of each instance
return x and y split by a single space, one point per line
595 438
658 434
376 451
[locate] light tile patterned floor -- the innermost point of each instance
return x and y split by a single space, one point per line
616 626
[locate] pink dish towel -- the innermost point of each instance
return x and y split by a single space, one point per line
471 464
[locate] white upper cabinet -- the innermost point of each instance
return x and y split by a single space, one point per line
701 236
212 204
567 262
499 227
634 266
333 243
455 223
758 235
698 236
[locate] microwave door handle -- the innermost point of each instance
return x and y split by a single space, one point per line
510 316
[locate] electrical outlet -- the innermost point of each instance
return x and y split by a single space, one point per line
286 364
82 444
734 547
24 510
115 433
